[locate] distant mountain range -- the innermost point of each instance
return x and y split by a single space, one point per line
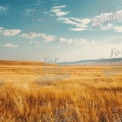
112 61
23 63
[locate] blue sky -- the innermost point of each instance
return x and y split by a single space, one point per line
70 30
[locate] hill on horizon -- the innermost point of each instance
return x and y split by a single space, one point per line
112 61
24 63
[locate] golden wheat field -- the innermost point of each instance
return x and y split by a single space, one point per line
53 93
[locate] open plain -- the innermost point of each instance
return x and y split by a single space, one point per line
53 93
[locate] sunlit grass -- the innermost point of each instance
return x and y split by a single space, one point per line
68 94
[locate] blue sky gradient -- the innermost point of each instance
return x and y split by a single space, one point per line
35 29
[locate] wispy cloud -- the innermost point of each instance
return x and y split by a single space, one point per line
36 43
118 29
10 45
108 26
81 42
80 24
85 23
78 29
77 41
28 11
57 10
3 9
59 7
106 18
9 32
32 35
69 41
84 42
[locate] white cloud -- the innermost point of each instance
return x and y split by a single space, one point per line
32 35
93 42
47 38
118 29
9 32
34 42
69 41
61 13
84 24
83 21
10 45
107 27
63 40
81 42
28 11
80 24
1 29
67 21
106 17
57 10
84 42
78 29
3 9
59 7
77 41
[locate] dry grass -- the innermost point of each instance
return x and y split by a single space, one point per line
61 94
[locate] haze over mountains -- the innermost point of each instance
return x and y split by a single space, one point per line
113 61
